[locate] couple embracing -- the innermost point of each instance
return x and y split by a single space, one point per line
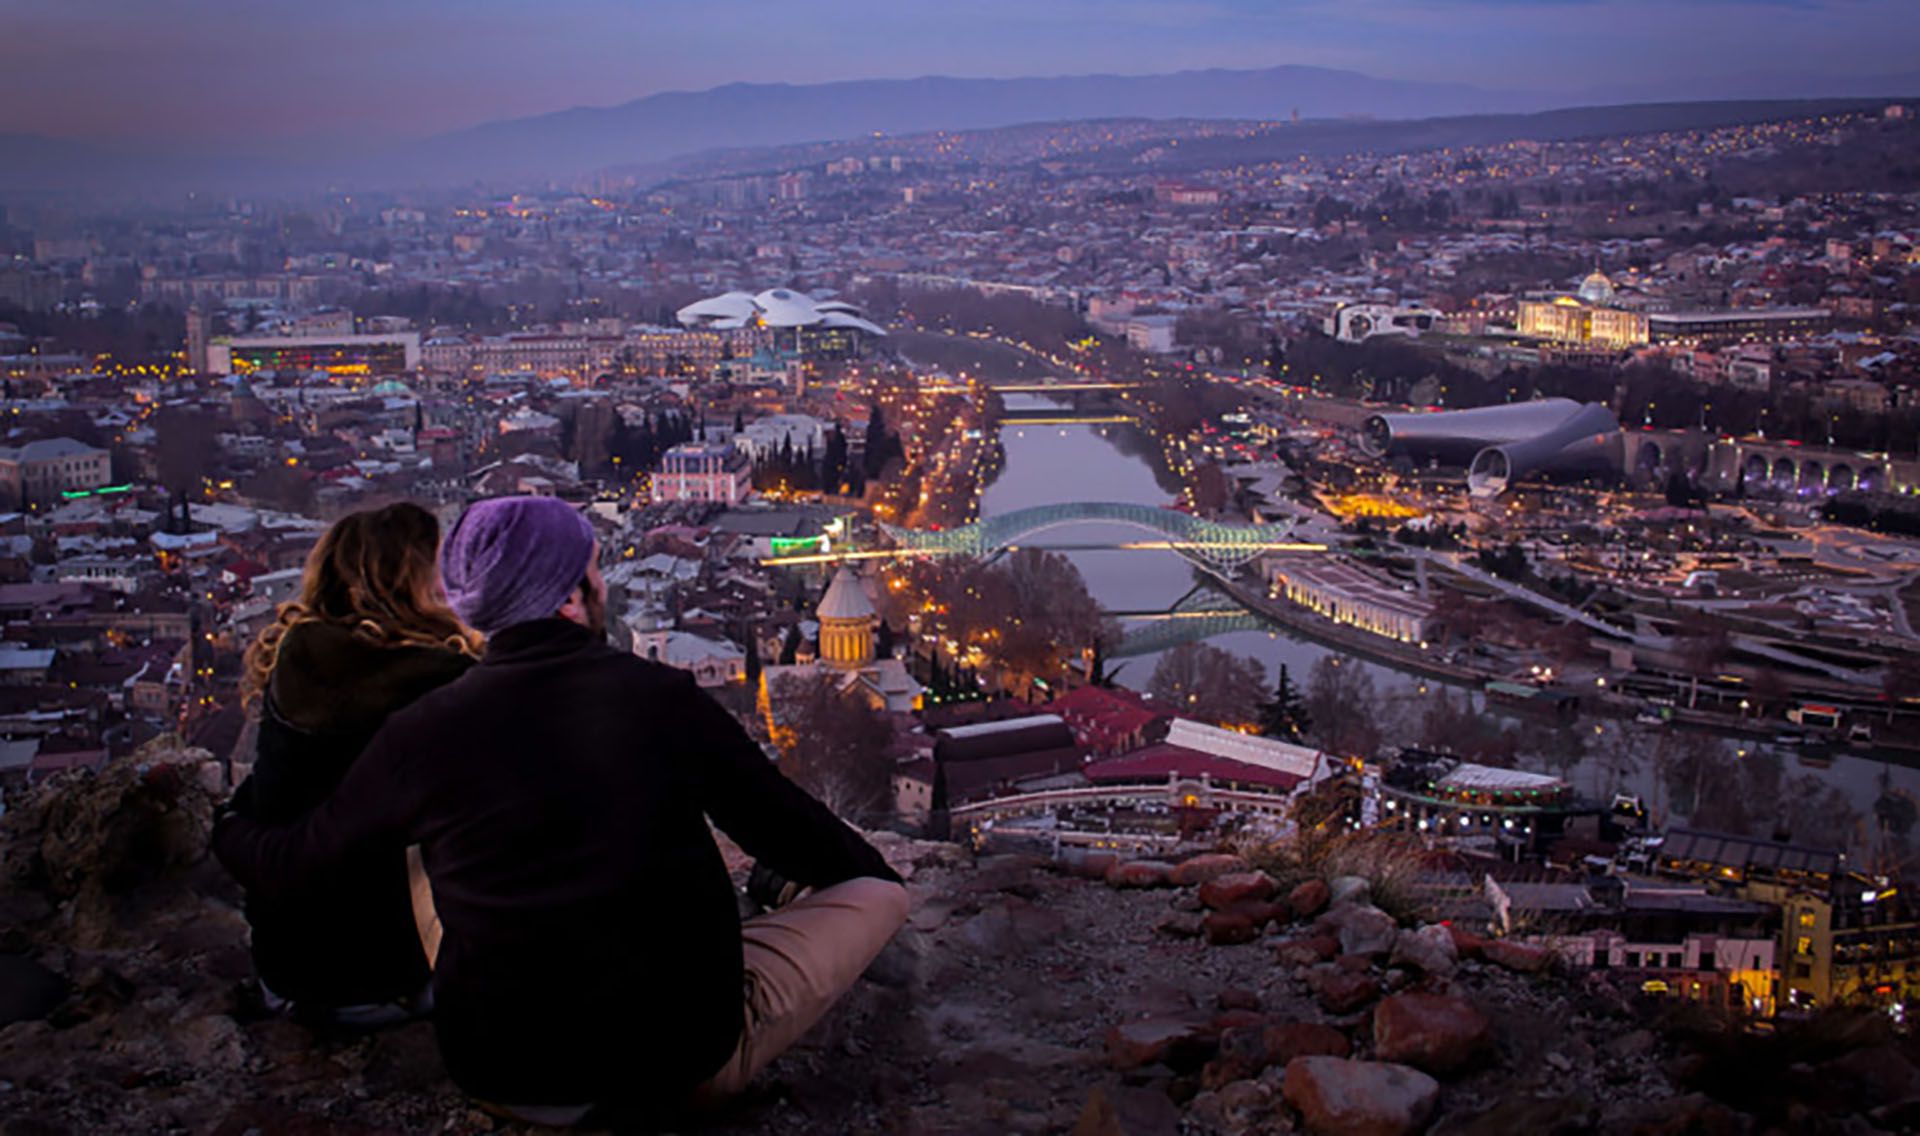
567 921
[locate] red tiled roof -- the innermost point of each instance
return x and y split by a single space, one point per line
1106 713
1163 761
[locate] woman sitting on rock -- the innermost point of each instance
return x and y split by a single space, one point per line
370 633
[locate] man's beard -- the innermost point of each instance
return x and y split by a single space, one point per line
594 605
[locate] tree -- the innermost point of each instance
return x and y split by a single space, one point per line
1902 681
1203 682
790 650
1285 715
876 452
1210 490
834 745
186 437
1703 646
1680 491
1343 706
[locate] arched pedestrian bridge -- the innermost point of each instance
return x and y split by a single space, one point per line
1199 615
1211 544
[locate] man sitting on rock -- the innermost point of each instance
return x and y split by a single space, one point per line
592 961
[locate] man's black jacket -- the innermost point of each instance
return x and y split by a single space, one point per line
350 938
560 791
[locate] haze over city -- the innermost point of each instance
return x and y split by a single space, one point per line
212 73
1154 567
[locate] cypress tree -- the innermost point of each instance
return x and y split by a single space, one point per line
1285 716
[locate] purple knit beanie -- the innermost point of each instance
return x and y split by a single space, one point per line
513 559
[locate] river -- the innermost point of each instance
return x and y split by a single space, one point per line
1055 464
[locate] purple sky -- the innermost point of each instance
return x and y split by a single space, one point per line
200 70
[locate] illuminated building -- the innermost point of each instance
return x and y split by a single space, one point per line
847 622
764 437
1357 323
1500 444
1509 813
1845 938
697 471
198 326
39 473
676 351
712 662
341 355
812 328
1751 325
1345 594
1587 318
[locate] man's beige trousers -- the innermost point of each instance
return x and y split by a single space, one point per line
798 961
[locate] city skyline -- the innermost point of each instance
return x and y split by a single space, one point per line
216 72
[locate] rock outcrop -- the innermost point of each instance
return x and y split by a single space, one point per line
1023 996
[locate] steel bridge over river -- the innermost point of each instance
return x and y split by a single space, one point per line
1213 545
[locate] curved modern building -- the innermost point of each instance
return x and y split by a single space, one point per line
794 321
1499 445
775 308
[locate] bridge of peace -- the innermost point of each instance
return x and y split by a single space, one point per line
1219 549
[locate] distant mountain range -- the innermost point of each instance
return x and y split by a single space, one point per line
761 114
651 130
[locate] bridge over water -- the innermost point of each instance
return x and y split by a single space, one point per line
1214 545
1199 615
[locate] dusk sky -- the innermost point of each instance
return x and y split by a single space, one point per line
208 70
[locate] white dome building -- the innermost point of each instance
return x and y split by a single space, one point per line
1597 289
818 328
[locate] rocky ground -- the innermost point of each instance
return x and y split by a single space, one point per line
1024 996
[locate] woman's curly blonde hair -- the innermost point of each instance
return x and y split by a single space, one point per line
373 573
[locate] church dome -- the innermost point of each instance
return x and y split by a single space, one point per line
1597 288
847 622
845 598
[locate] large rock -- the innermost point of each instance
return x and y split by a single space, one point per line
1117 1110
1439 1033
1229 928
86 842
1306 950
1091 864
1243 1053
1429 950
1150 1041
1466 944
1236 888
1523 957
1012 927
1234 1109
1208 866
1309 899
1289 1040
1349 889
1337 1097
1361 928
1342 991
1237 998
1141 874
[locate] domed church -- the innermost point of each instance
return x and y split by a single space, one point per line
847 623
